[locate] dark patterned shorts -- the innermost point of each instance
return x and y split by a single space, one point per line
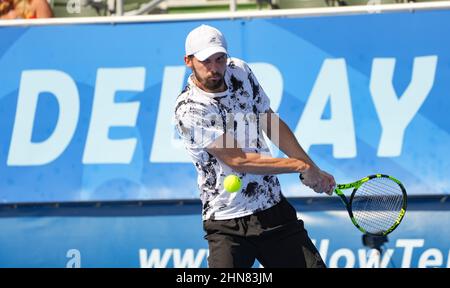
275 237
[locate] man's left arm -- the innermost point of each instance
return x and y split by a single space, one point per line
287 142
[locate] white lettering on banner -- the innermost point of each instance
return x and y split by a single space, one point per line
331 85
374 259
409 246
167 148
22 151
395 113
75 258
271 80
342 257
106 113
345 254
154 260
187 260
370 258
431 258
366 259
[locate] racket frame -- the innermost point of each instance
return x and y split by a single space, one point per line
355 185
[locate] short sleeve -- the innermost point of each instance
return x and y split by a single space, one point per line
198 124
262 102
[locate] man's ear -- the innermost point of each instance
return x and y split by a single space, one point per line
188 61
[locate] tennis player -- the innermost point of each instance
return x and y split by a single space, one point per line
220 116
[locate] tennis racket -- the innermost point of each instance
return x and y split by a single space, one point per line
377 203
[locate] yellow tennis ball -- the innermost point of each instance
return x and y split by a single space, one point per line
232 183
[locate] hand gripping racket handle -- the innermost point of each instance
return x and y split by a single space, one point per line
334 187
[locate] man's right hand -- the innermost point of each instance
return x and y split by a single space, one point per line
318 180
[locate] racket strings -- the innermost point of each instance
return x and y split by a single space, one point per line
374 213
376 216
376 204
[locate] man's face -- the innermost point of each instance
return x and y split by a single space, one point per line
209 73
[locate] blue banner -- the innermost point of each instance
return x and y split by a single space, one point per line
171 235
86 110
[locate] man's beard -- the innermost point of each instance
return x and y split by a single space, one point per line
208 83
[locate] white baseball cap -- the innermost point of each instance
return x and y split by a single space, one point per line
204 41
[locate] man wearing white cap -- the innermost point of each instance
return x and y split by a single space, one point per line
221 115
